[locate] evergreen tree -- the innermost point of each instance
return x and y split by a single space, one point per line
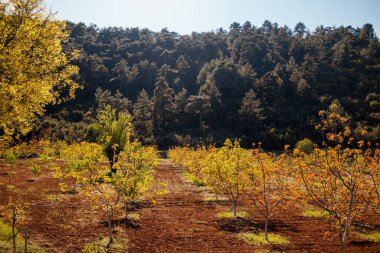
201 105
143 118
163 108
117 102
179 107
300 29
251 108
252 117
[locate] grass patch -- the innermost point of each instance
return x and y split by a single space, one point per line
99 246
133 216
214 199
193 179
6 241
230 215
259 239
210 197
54 198
373 236
266 251
65 226
5 231
315 213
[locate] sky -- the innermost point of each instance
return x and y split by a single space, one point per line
186 16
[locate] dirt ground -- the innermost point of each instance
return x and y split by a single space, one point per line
182 221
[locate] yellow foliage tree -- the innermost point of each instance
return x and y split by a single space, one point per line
374 162
134 175
339 182
224 171
104 197
16 214
179 155
79 158
34 69
338 179
269 185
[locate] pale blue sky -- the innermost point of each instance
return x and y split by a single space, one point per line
185 16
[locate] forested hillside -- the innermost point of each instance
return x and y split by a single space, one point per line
254 83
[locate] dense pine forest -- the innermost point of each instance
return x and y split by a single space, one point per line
253 83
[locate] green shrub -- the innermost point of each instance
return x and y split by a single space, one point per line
305 146
10 157
35 170
93 133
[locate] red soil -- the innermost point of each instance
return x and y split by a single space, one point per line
180 222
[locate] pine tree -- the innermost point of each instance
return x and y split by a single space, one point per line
143 120
210 90
117 101
251 108
163 107
180 106
252 116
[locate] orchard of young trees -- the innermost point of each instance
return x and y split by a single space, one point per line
341 181
340 178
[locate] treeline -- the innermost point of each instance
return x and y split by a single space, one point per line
262 83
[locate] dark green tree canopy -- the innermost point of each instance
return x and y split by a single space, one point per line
256 83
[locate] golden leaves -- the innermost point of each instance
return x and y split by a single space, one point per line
34 67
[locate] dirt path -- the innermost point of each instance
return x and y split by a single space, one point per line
182 221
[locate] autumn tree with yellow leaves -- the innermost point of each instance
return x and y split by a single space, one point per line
134 174
79 158
132 167
35 70
337 179
269 184
224 171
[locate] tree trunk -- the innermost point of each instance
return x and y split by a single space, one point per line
112 169
25 240
110 231
343 246
344 238
126 213
266 229
14 229
234 209
345 231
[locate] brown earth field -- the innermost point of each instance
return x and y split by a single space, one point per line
181 221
